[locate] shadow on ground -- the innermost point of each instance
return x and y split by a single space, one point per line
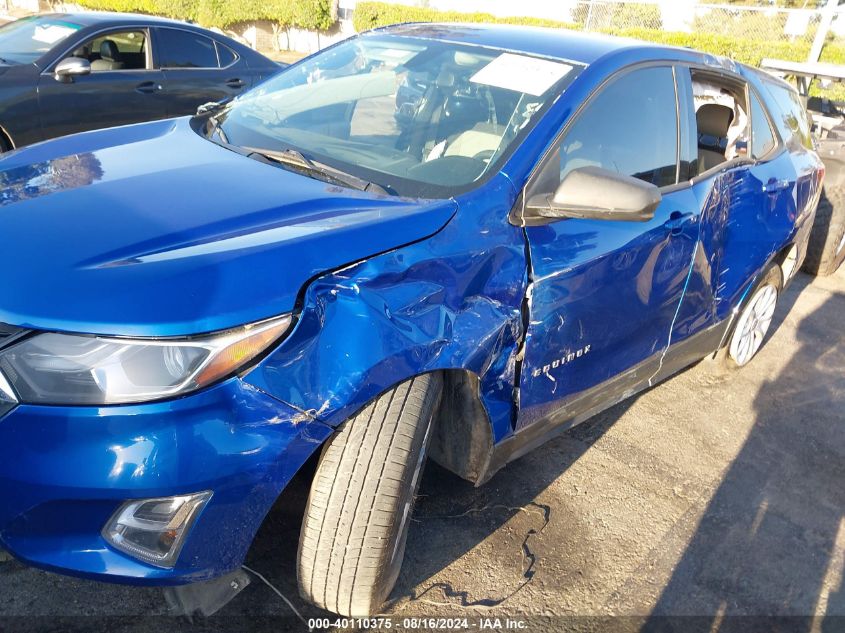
786 487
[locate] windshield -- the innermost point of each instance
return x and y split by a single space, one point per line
417 117
25 41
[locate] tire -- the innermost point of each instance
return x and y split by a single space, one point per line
356 521
753 323
5 145
826 248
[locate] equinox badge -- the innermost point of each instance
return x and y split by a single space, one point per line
563 360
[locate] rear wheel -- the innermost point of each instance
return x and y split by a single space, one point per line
754 321
826 248
356 523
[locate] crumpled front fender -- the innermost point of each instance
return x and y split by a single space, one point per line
451 301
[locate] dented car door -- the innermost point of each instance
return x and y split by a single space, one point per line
604 293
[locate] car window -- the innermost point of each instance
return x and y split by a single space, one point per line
181 49
790 116
25 41
124 50
762 137
721 119
226 55
630 128
419 117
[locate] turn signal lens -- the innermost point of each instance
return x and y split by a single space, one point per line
238 353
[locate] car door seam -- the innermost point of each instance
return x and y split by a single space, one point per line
525 318
680 303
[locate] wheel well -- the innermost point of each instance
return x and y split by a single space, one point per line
787 261
5 140
463 437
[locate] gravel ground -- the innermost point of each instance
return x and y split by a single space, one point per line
705 496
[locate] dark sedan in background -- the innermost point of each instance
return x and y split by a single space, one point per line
66 73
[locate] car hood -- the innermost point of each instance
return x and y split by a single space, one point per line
16 70
151 230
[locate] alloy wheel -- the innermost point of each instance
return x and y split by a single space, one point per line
753 324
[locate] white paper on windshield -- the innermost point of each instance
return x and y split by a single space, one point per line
52 34
521 73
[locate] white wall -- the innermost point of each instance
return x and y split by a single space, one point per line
23 5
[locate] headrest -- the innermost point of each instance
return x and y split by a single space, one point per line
714 120
445 79
466 109
109 50
461 113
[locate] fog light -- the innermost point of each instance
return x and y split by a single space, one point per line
154 530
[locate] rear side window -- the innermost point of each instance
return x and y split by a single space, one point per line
790 116
181 49
226 55
631 128
762 137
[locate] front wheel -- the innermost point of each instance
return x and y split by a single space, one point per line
356 522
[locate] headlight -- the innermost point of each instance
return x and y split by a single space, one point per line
54 368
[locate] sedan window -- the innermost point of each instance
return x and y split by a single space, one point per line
125 50
181 49
226 55
27 40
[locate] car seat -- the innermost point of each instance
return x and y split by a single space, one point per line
110 57
713 121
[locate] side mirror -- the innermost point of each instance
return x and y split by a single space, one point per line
597 194
72 67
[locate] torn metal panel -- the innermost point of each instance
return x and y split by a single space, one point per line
448 302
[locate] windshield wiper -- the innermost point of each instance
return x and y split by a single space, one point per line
214 128
297 159
293 158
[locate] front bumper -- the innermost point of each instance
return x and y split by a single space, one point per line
65 470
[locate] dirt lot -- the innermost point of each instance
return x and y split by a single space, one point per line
705 496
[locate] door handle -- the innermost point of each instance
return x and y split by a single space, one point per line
774 185
236 83
148 87
677 220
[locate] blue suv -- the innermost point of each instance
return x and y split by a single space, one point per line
428 241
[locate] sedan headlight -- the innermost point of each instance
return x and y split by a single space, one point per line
53 368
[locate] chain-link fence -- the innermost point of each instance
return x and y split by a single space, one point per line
771 24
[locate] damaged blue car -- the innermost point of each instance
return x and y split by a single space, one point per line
428 241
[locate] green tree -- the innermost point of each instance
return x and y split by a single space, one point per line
284 14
